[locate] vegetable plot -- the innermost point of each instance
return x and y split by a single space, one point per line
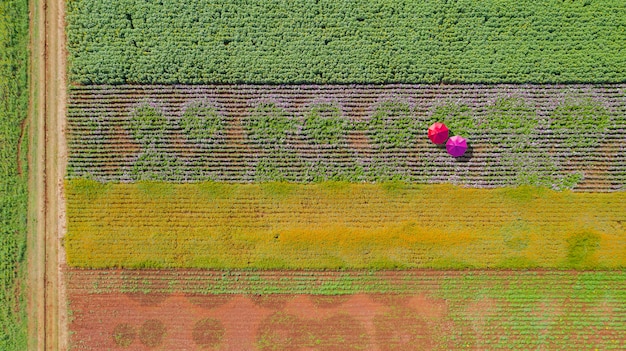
14 141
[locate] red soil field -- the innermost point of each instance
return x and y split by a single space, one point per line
162 314
239 322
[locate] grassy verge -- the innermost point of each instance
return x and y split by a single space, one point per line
333 225
346 41
13 179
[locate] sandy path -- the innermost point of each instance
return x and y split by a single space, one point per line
56 95
36 179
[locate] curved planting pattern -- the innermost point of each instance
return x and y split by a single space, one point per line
555 136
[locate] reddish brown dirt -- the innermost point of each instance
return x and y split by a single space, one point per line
124 334
152 333
238 322
274 302
208 332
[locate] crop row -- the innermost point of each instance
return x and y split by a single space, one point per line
346 41
513 287
557 136
332 225
14 142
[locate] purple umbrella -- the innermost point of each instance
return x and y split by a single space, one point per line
456 145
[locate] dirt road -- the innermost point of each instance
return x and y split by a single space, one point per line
46 300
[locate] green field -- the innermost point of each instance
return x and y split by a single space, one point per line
13 179
346 41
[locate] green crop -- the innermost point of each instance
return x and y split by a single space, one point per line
269 124
392 125
201 122
571 117
147 124
13 171
346 41
457 117
325 125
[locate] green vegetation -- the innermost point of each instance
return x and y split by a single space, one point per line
459 118
147 124
154 164
298 133
346 41
512 122
13 171
269 125
392 125
572 118
325 125
201 122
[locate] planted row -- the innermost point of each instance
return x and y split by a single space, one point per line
576 123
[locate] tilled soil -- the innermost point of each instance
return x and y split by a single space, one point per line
432 311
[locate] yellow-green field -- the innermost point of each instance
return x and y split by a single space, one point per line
341 225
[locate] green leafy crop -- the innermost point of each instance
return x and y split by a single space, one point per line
147 124
574 120
325 125
457 117
346 41
201 122
392 125
268 124
512 120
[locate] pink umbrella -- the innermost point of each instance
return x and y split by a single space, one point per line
456 145
438 133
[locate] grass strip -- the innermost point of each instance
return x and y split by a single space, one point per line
13 168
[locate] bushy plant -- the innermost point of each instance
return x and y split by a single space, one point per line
268 124
392 125
511 120
147 124
581 123
154 164
324 124
346 41
201 122
459 118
